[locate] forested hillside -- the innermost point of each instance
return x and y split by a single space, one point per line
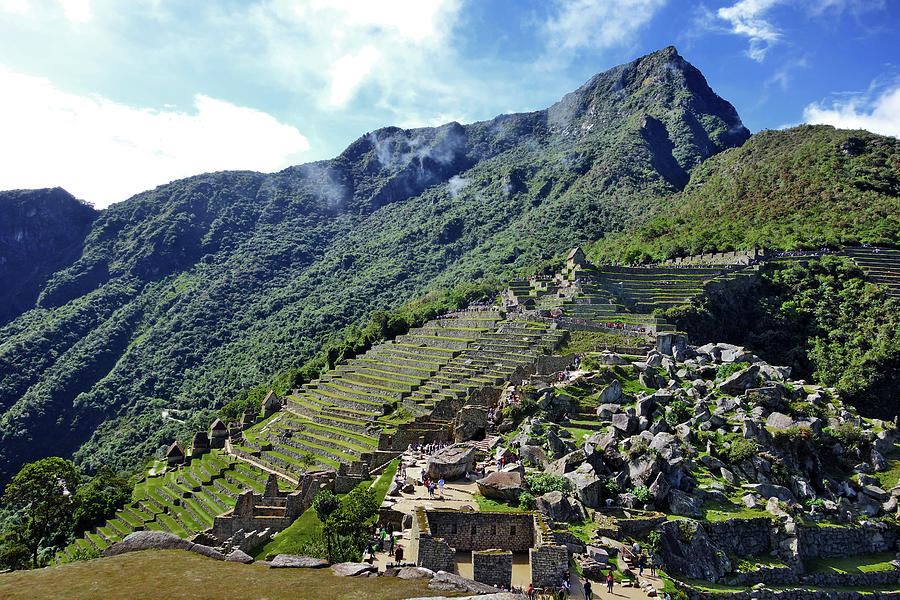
41 231
187 293
805 187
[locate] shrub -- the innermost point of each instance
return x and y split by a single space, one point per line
544 482
741 449
678 412
85 554
849 435
726 371
792 436
526 501
642 493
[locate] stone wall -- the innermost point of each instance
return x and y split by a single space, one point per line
482 530
427 551
837 542
549 364
741 537
548 563
492 567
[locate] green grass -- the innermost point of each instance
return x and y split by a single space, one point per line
890 478
308 527
584 531
381 485
589 341
488 505
866 563
720 511
181 575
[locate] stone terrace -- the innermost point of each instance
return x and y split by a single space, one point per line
338 419
880 267
181 501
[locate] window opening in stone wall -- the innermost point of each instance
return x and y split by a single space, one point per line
474 529
493 530
453 528
512 530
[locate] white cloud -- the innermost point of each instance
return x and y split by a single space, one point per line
587 24
746 18
14 6
412 19
104 152
77 10
348 72
880 114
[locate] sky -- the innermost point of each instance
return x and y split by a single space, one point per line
108 98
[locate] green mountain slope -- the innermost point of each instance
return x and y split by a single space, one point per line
186 293
41 231
806 187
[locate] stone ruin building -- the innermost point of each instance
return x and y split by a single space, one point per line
175 454
492 538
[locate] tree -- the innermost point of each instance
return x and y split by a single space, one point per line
44 491
99 499
325 504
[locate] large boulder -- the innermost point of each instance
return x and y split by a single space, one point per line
587 486
470 423
239 556
414 573
624 422
448 582
740 381
611 394
535 455
557 507
353 569
689 551
778 420
769 490
502 486
451 462
292 561
148 540
684 505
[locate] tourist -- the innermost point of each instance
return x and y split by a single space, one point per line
531 592
398 555
652 566
441 484
609 581
588 593
640 561
382 536
393 540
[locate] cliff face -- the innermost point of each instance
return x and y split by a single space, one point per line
41 231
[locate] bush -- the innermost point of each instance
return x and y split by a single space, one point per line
792 436
726 371
741 449
849 435
642 493
526 501
678 412
544 482
85 554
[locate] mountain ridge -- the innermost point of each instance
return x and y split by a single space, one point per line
187 293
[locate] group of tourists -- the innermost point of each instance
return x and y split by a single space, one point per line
427 448
383 540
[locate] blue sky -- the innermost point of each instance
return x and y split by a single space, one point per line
110 97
